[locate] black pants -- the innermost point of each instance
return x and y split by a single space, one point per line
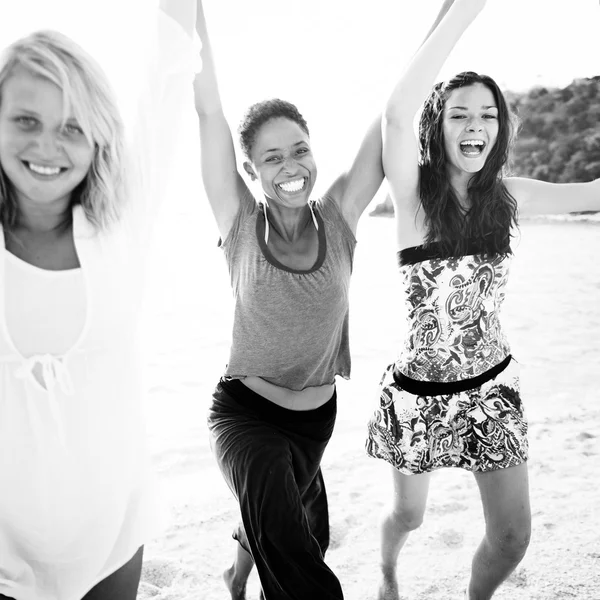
122 584
270 458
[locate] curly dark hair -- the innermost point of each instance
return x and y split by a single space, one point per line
493 209
261 112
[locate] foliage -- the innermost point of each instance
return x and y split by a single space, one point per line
559 138
559 134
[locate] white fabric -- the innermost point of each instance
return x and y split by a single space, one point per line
76 498
45 310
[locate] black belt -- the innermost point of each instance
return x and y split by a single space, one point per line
439 388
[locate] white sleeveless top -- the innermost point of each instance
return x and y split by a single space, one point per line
76 492
45 310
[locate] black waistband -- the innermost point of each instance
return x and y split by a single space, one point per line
250 399
439 388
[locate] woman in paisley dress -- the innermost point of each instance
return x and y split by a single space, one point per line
452 397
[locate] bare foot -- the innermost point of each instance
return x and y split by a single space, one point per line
236 589
388 589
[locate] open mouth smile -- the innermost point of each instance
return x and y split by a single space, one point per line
472 148
294 186
43 171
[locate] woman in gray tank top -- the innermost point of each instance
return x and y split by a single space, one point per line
290 260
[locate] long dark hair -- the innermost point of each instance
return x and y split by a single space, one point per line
493 210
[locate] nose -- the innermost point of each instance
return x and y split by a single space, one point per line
290 165
49 144
475 124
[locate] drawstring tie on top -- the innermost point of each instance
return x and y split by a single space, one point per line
54 373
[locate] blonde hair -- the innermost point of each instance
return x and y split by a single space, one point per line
89 95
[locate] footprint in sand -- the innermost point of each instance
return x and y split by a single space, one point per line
449 507
339 530
590 448
161 573
147 591
519 578
452 538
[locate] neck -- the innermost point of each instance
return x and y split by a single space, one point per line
459 182
55 217
289 223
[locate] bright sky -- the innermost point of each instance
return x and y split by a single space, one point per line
337 59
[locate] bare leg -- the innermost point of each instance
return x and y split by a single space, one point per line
236 577
405 515
505 497
122 584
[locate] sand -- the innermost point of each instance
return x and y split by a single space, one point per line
552 318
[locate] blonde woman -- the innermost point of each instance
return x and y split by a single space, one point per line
75 503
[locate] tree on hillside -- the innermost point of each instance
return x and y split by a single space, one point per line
559 137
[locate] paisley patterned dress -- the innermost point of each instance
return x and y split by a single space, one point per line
452 397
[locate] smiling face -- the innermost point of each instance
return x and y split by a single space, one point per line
470 128
44 157
283 163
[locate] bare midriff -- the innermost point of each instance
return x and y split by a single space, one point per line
307 399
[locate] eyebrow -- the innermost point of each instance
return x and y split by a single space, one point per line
465 108
25 110
278 149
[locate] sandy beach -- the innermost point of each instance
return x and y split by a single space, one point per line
552 318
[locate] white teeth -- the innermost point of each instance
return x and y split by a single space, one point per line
472 143
292 186
44 170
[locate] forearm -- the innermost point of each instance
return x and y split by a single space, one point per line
206 88
417 80
443 10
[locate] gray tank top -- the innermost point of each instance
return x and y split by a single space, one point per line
290 327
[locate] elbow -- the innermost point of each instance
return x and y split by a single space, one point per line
398 114
397 120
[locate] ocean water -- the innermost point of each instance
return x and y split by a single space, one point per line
551 316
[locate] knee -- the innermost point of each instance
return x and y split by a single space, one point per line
404 519
512 542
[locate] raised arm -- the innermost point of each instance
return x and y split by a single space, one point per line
164 95
355 189
400 148
224 186
542 198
